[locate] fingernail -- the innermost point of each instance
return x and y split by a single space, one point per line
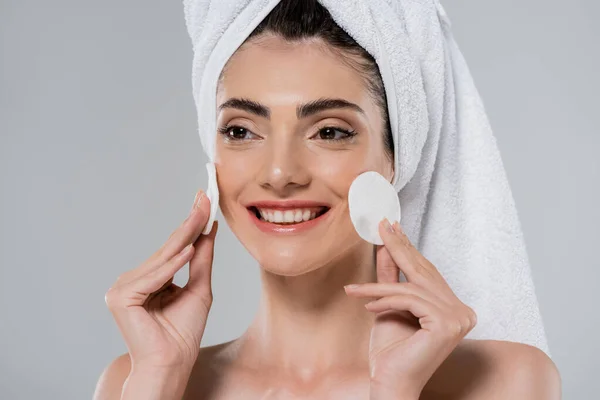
198 199
369 305
388 226
350 286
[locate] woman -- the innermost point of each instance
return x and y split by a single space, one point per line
302 112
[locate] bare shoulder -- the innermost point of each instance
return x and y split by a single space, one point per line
495 369
209 377
527 371
110 383
204 378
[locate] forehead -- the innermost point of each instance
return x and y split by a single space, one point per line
278 71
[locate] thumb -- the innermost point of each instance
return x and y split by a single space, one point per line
200 278
387 270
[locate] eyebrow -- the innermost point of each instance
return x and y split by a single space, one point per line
302 111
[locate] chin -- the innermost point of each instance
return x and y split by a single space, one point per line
286 260
295 257
323 237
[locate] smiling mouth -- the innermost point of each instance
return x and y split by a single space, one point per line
288 216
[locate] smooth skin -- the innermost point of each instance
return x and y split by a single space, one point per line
311 338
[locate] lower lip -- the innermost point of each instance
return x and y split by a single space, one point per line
299 227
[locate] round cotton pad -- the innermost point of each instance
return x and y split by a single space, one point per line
213 195
372 198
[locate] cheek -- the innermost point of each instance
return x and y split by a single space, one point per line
233 175
337 169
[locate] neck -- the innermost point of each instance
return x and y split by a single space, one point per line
307 325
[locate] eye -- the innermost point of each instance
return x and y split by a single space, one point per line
236 133
334 133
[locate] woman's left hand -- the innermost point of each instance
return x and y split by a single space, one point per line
418 322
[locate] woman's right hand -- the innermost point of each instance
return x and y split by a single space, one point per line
163 323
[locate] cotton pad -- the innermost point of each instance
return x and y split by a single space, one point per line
212 192
372 198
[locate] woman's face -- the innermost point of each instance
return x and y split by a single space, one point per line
296 126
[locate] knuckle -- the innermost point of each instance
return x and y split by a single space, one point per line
458 328
404 240
162 255
161 251
112 298
466 324
453 328
401 233
422 270
409 286
407 297
472 317
411 289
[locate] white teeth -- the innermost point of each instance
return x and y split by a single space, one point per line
305 215
287 216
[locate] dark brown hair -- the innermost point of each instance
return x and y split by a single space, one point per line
303 19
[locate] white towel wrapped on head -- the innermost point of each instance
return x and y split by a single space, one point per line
457 205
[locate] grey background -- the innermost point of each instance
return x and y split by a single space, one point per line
100 161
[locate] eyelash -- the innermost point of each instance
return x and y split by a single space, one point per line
224 130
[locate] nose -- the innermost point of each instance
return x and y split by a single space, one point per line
284 166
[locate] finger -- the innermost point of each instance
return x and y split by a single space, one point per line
196 206
155 279
387 270
427 266
129 303
135 293
415 267
416 305
398 250
185 234
163 287
200 280
123 300
156 300
431 317
379 290
166 286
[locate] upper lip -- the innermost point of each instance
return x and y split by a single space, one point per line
286 204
